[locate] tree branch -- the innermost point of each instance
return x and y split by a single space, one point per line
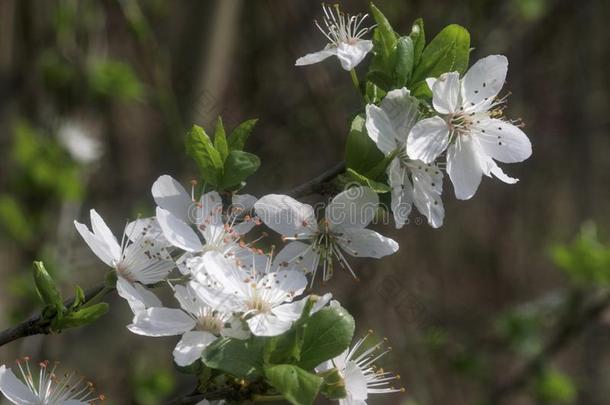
578 316
312 186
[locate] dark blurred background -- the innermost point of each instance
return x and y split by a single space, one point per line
95 99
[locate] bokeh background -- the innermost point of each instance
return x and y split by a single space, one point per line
95 99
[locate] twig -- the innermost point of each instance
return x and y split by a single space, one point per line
574 323
313 185
36 325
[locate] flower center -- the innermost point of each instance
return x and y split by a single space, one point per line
209 323
459 124
258 304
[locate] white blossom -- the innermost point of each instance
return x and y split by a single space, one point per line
469 127
344 33
360 374
343 230
45 386
412 181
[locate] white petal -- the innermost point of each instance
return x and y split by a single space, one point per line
137 296
171 196
355 382
161 322
290 312
223 274
483 81
285 283
95 244
14 389
493 168
502 141
243 205
146 229
352 209
402 192
286 216
189 348
368 243
209 211
430 82
402 111
177 232
350 55
268 325
427 189
296 256
428 139
316 57
464 167
380 129
103 233
446 93
220 300
236 329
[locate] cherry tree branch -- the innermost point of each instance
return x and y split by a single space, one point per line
313 186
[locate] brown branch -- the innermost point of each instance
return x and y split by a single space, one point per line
313 186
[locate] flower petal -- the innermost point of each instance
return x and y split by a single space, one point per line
355 382
352 209
350 55
286 216
428 139
446 93
464 167
296 256
502 141
483 81
177 232
402 192
402 110
103 233
268 325
316 57
368 243
14 389
95 244
190 347
380 129
171 196
137 296
161 322
427 189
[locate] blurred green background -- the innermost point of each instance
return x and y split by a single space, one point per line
95 99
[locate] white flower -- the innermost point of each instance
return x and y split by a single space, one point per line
263 297
360 374
469 127
80 142
412 181
344 33
45 386
198 322
342 230
141 257
222 233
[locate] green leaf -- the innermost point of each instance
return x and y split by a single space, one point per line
405 52
238 167
333 386
241 358
114 80
46 288
361 153
328 333
447 52
199 147
220 140
82 317
376 186
418 36
380 79
384 42
79 297
239 136
298 386
285 348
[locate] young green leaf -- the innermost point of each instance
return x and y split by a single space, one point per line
239 136
298 386
238 167
384 42
241 358
220 140
405 55
328 333
376 186
447 52
79 297
81 317
418 36
46 288
333 386
361 153
199 147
